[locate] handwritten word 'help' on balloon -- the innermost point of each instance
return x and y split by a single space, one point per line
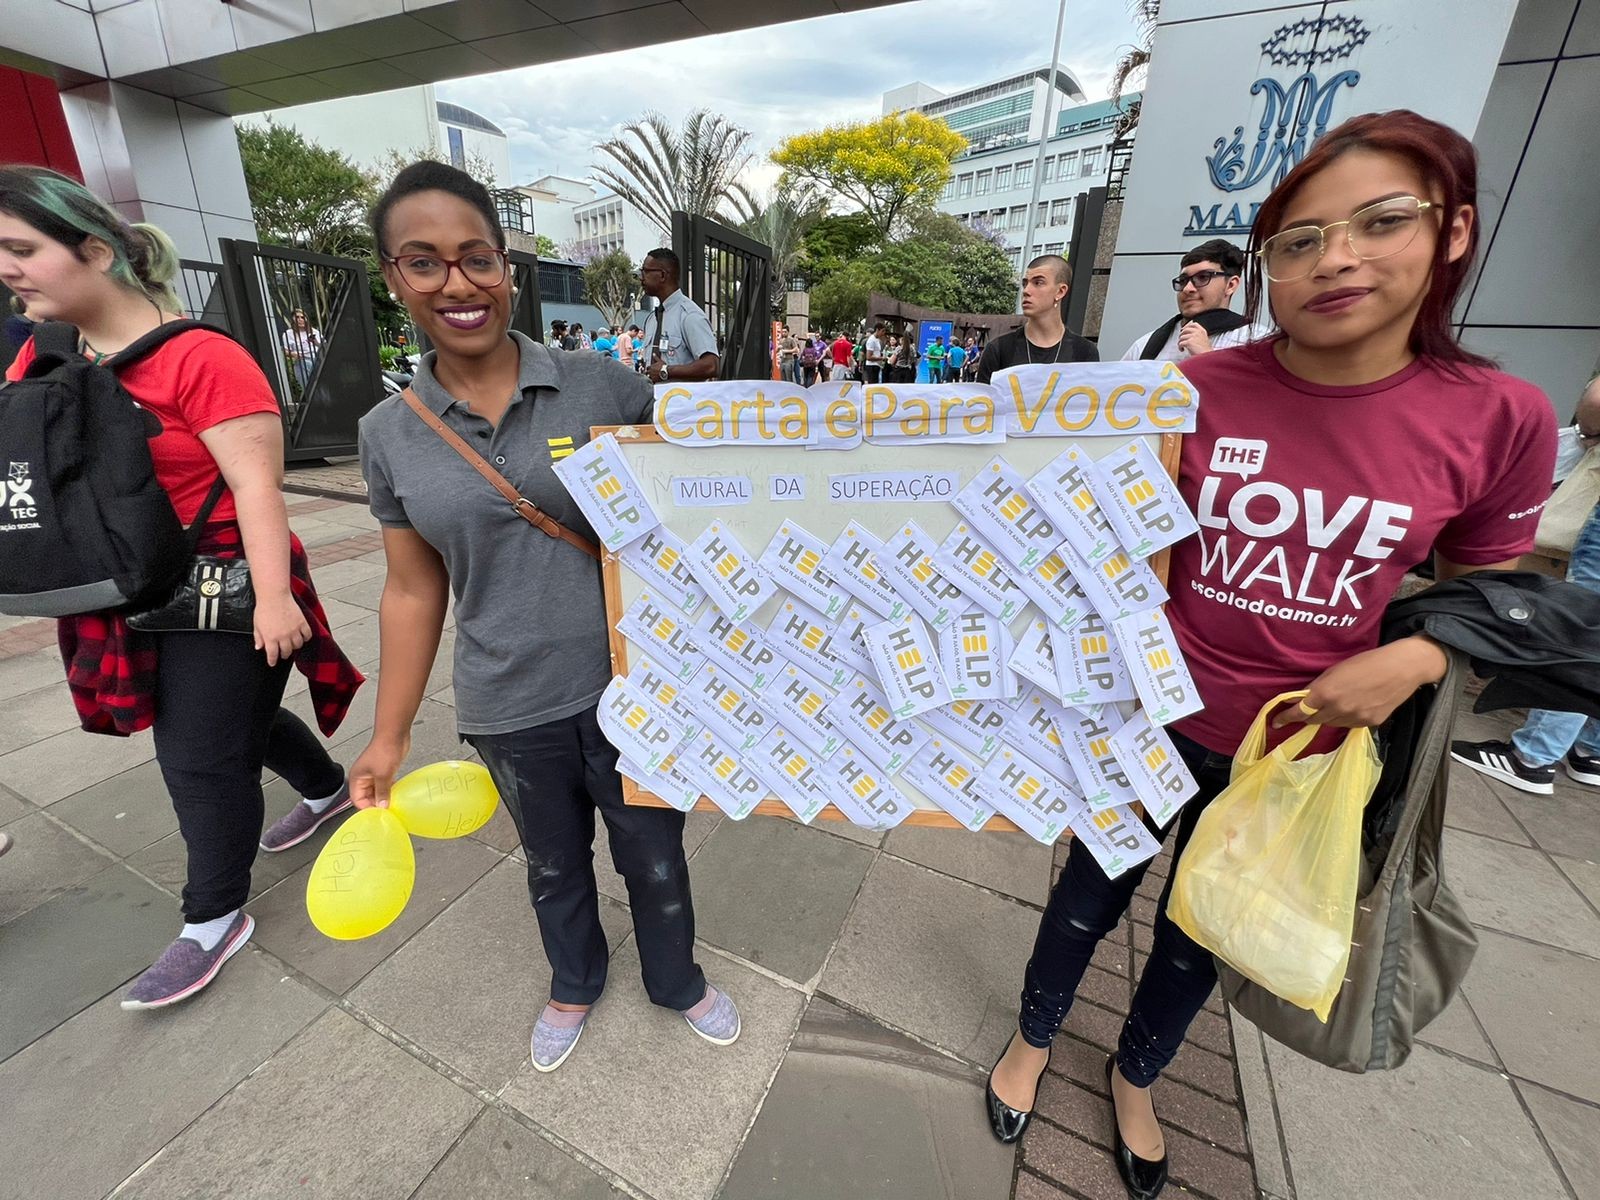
363 877
444 799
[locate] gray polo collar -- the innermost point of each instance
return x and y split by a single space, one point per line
538 369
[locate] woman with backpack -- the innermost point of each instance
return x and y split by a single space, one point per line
1378 439
215 438
810 359
532 656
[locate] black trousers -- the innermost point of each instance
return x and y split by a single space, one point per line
1085 906
218 721
553 778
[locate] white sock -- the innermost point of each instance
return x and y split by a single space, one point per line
320 806
209 933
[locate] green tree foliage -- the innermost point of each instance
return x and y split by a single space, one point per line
544 246
696 168
303 194
939 263
313 198
888 167
840 300
835 241
612 283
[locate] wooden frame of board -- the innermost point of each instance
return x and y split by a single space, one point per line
611 573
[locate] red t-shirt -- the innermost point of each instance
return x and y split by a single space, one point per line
1313 501
843 348
197 380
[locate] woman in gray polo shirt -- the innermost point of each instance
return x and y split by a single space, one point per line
531 654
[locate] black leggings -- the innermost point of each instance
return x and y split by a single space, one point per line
1083 908
217 723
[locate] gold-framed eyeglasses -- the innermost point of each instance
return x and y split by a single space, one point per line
1377 231
427 273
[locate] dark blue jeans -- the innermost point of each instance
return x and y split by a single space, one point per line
1085 906
552 779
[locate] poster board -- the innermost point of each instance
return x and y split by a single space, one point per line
656 462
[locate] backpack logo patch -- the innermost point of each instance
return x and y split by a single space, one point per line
18 487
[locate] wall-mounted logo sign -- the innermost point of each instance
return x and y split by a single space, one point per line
1297 111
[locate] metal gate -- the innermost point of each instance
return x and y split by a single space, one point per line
1087 216
730 276
527 315
199 291
325 372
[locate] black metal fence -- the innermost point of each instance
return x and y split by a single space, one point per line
199 290
730 276
527 312
307 318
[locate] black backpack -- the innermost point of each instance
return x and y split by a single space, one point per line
84 526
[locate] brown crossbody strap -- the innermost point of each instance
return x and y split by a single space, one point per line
525 508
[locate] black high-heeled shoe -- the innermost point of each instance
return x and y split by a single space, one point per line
1144 1178
1009 1124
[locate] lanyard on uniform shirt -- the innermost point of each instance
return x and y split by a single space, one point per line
661 322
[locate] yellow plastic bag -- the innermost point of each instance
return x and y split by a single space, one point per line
1268 880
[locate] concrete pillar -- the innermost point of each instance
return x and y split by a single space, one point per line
162 161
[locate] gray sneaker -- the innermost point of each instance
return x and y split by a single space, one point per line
551 1044
301 822
184 968
720 1025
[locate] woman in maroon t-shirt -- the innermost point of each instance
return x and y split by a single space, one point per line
211 697
1325 462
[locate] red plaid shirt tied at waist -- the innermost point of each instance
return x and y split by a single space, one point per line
111 669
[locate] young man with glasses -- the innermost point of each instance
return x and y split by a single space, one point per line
1207 278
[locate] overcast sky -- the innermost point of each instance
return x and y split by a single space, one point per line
785 79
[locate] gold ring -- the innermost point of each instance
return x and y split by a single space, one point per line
1307 709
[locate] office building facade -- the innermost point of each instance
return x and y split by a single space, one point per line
991 183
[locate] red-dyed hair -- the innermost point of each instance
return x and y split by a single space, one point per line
1447 161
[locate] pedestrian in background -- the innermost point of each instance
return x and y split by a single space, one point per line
1207 280
302 343
683 346
788 354
955 361
842 353
810 359
1528 761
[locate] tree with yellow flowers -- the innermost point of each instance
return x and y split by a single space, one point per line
889 166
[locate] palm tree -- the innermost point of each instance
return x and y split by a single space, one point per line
658 169
1134 58
782 223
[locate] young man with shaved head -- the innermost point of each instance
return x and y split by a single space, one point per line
1044 336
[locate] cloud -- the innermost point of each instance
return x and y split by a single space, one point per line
783 79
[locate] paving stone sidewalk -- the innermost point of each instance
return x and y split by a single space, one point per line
877 976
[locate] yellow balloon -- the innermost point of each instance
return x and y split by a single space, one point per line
444 799
363 877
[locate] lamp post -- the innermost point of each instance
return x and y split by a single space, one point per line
1044 138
